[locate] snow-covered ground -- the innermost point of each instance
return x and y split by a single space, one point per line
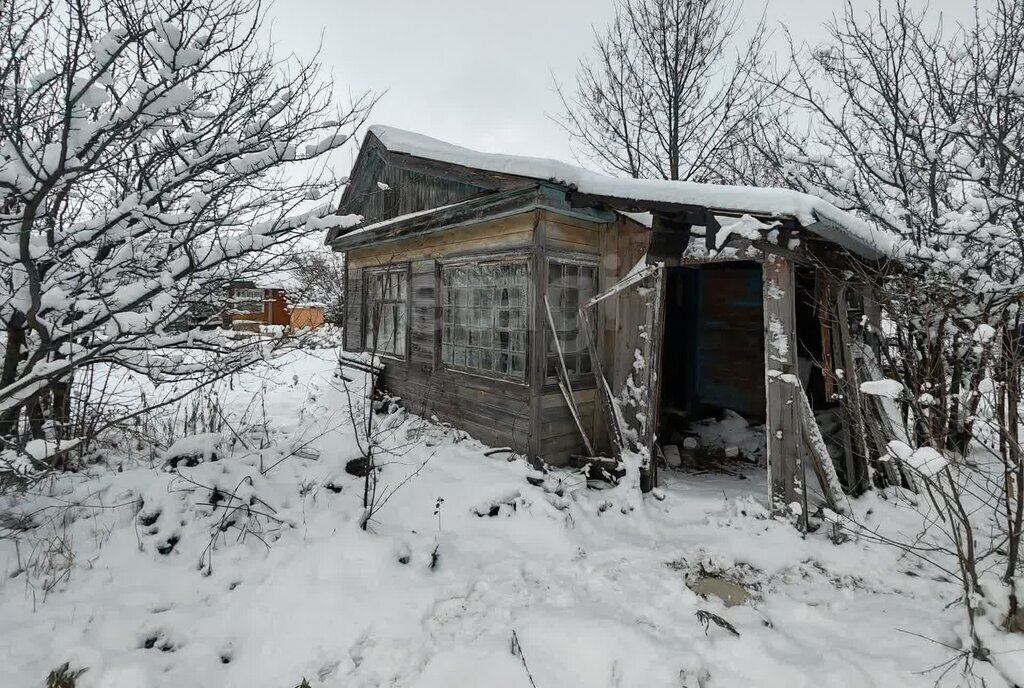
161 579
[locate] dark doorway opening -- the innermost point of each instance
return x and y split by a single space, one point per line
713 355
713 369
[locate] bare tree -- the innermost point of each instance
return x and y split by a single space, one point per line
150 150
374 416
665 96
916 127
320 274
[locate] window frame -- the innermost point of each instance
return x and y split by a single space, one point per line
592 262
404 269
528 309
248 294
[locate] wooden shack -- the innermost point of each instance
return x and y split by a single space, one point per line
570 315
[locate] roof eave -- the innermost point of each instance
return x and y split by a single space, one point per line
480 209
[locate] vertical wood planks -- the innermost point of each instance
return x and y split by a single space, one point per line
353 309
785 464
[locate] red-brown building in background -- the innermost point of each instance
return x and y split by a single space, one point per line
251 306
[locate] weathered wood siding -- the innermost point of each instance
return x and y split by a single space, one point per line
508 233
559 436
785 461
353 308
422 328
562 236
407 191
565 234
531 416
494 411
623 243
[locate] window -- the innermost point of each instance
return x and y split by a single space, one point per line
246 300
484 309
387 293
569 286
249 294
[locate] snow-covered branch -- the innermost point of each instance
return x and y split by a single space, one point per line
150 152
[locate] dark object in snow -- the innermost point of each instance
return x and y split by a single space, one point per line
64 676
216 497
492 507
168 546
435 557
147 520
225 658
535 480
158 641
227 523
194 449
706 618
404 559
358 467
332 487
599 468
304 684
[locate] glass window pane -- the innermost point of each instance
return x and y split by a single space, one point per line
386 308
482 309
569 286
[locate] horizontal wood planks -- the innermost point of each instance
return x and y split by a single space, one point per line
529 416
507 233
559 436
571 234
493 411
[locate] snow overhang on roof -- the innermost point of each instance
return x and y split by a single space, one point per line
814 214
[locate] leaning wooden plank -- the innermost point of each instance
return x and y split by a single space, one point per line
820 458
362 361
629 280
563 382
861 475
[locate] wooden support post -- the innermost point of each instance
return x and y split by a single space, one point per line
785 463
538 346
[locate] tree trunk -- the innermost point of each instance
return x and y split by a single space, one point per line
9 374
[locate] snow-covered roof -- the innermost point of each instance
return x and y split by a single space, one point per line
810 211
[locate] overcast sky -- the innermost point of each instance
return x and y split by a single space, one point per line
480 73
